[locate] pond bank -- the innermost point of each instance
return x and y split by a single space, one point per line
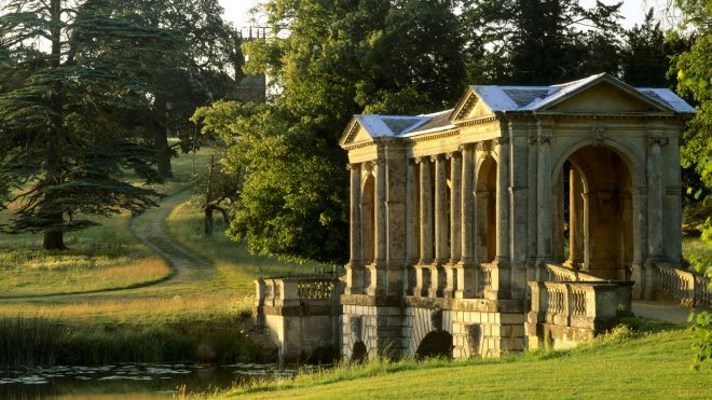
130 380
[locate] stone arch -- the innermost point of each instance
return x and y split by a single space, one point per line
359 353
634 162
437 343
486 209
597 182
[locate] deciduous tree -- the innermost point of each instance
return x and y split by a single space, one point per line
336 58
203 68
695 79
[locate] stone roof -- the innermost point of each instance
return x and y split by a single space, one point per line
500 98
389 125
533 98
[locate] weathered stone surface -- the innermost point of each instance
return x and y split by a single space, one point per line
458 224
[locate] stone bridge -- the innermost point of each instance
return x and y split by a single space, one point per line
523 217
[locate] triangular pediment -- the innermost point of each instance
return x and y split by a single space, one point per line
606 95
364 128
354 133
470 107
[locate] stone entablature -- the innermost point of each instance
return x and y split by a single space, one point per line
457 212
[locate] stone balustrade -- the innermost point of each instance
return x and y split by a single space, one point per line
688 288
273 294
572 312
555 273
449 280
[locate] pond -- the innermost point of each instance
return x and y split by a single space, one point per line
129 381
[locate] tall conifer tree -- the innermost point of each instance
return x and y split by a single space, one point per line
73 97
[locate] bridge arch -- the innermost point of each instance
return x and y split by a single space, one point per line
435 344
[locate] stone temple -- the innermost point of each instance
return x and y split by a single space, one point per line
527 216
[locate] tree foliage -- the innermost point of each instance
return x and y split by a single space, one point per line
339 58
544 41
72 88
694 73
204 67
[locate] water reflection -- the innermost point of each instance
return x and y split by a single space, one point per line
127 381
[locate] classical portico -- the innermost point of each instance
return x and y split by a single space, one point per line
523 212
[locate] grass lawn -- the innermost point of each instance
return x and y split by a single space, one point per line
197 317
620 366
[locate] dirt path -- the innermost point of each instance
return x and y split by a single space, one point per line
149 229
665 311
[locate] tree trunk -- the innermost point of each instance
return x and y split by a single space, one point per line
160 139
54 240
208 221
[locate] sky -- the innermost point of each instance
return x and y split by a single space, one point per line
632 10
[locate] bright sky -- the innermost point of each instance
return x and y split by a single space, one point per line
236 11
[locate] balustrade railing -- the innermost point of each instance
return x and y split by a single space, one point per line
688 288
588 305
441 281
280 292
555 273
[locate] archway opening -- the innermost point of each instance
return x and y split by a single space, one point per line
359 353
487 211
594 226
436 344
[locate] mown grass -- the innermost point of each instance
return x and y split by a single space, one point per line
103 257
621 365
694 248
233 263
198 318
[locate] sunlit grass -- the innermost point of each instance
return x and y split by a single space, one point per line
158 310
235 266
624 365
695 248
63 275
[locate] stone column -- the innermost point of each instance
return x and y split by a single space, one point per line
451 281
586 228
441 203
655 199
426 228
441 225
468 204
465 273
544 193
411 245
354 269
378 281
558 215
673 199
641 289
426 213
575 219
456 208
380 204
502 223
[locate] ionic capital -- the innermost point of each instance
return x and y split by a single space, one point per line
438 157
657 140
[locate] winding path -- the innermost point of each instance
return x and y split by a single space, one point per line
149 229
